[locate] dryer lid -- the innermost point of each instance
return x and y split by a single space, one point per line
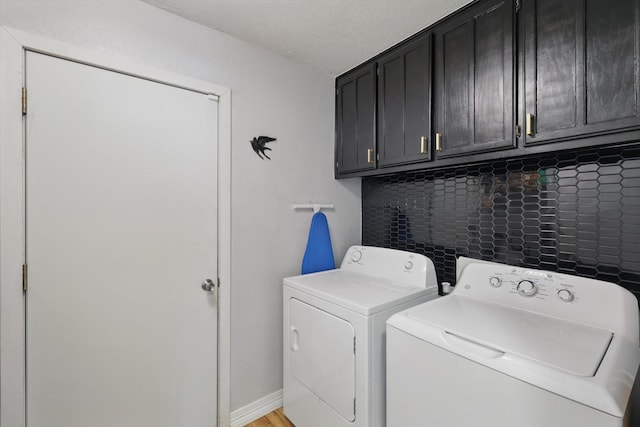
357 292
571 347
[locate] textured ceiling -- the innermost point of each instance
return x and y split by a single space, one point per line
329 35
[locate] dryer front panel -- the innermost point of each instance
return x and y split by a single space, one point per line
322 356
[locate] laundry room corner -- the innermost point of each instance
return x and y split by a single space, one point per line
269 235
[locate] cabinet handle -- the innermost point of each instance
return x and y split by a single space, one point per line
529 124
438 142
370 155
423 145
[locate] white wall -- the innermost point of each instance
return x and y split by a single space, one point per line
270 96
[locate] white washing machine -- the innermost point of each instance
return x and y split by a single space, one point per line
334 334
514 347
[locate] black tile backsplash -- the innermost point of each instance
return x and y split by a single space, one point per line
573 212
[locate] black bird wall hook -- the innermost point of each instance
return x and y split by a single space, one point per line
259 146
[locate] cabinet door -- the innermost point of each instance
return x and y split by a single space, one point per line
404 104
356 120
582 68
474 83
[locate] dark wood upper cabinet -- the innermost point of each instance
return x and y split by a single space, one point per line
404 103
356 120
474 80
581 68
467 89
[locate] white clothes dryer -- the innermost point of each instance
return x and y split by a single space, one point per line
334 334
513 346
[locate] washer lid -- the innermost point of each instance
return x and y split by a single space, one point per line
357 292
572 347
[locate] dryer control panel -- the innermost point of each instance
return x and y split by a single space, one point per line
399 266
556 294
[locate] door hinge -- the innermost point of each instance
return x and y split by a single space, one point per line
24 100
518 4
24 277
518 131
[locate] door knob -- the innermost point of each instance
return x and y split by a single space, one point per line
208 285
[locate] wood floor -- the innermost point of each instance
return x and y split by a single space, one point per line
272 419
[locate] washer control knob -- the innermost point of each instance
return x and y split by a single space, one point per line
527 288
496 282
408 265
356 256
565 295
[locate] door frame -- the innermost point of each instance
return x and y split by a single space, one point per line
13 45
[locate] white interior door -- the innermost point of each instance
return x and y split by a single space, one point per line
121 229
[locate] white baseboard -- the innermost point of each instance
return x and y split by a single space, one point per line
254 410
